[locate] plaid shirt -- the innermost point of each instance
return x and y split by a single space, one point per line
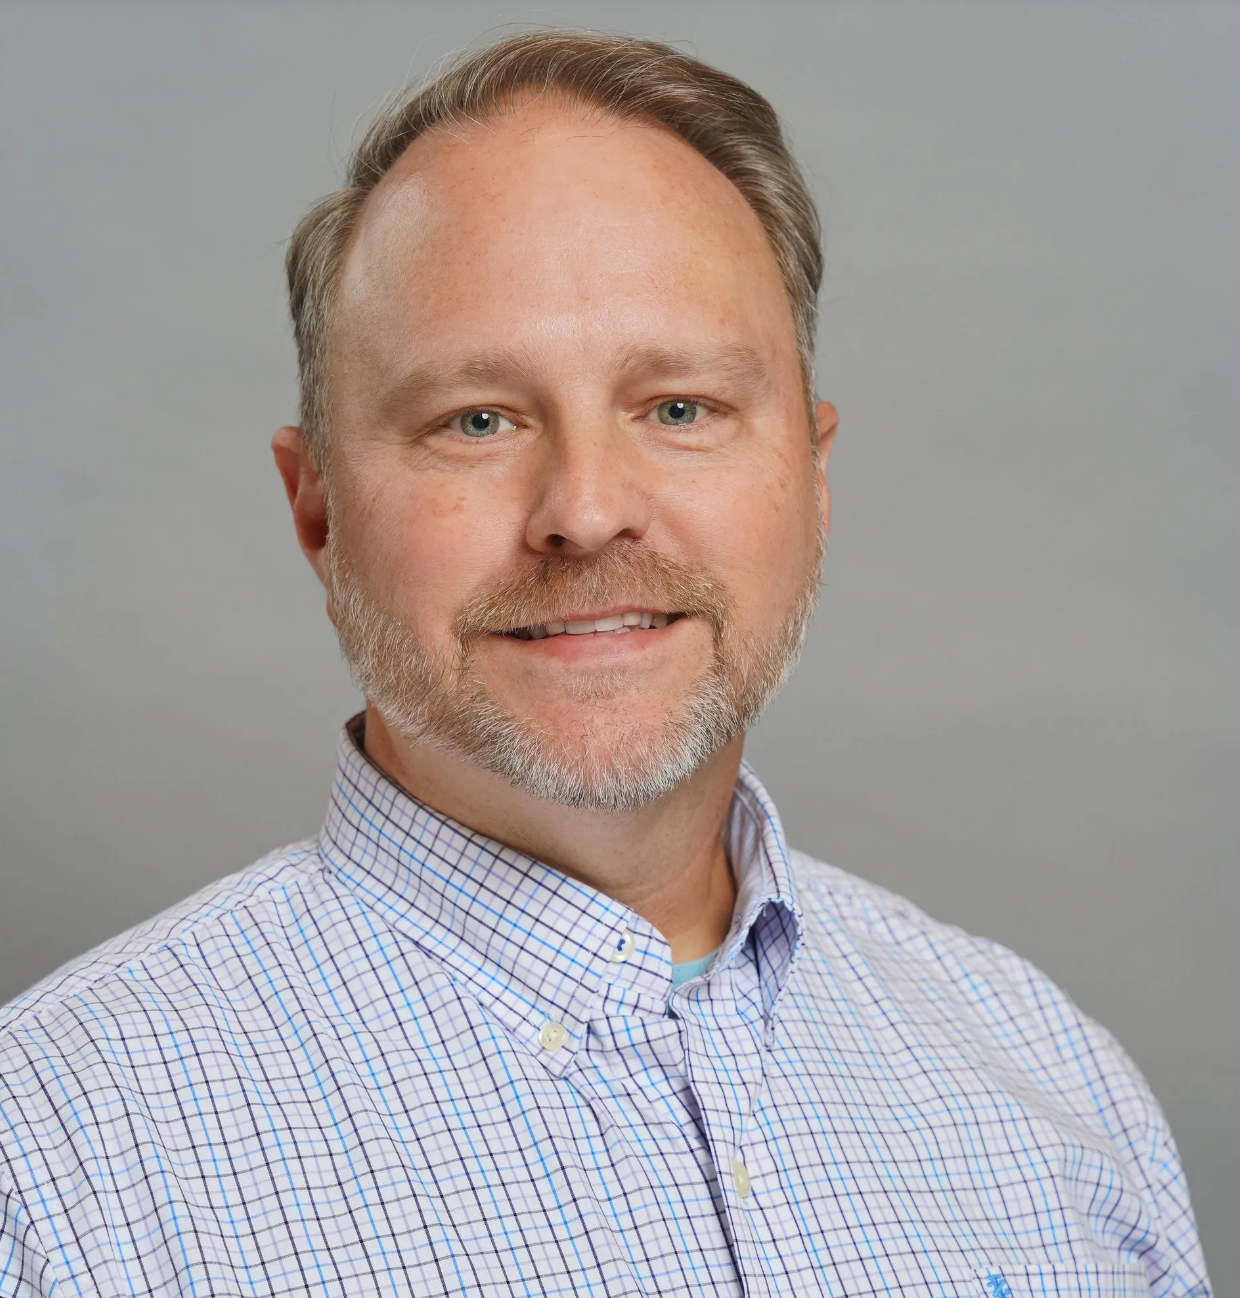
405 1059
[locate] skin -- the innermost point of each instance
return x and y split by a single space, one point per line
570 272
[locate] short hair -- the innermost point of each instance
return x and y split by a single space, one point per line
729 123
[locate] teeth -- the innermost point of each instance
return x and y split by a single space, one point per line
616 624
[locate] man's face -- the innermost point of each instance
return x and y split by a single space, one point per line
575 515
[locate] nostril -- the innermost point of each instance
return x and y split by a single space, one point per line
557 540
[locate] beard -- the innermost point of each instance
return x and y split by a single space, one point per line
437 697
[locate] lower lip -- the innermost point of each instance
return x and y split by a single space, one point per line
607 644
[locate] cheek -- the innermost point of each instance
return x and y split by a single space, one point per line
759 537
425 542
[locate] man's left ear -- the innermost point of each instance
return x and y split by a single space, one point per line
828 419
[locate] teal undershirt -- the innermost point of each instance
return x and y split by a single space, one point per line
681 973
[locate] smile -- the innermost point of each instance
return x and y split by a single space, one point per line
613 624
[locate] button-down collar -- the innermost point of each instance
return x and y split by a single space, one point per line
536 947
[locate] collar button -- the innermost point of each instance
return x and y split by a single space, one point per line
624 948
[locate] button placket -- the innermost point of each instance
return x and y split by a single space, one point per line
728 1124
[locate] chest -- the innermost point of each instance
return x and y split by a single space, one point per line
437 1156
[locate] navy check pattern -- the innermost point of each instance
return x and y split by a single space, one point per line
405 1059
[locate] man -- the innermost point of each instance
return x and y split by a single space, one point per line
551 1007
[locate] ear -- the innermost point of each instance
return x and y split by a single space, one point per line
303 484
828 421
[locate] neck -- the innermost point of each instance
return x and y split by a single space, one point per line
665 860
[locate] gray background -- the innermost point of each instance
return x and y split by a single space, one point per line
1019 704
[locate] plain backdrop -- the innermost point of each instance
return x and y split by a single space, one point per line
1019 705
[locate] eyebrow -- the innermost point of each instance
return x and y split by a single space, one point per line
735 361
429 378
738 362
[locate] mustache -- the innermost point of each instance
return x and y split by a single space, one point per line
560 586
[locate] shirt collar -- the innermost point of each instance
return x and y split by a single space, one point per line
534 946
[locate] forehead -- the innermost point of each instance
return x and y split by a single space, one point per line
554 223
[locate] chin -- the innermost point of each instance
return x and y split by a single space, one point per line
614 713
597 777
613 755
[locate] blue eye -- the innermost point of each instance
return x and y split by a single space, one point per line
678 413
481 423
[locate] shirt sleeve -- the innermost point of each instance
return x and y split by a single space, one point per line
1168 1246
25 1271
1174 1264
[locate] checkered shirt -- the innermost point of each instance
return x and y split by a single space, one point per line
405 1059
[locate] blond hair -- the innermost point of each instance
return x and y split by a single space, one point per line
727 122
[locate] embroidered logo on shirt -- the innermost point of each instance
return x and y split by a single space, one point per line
998 1286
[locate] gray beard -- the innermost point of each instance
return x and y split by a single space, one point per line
436 699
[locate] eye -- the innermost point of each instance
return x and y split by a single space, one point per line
482 423
677 414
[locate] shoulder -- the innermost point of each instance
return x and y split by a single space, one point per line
890 935
890 927
969 994
192 932
946 1002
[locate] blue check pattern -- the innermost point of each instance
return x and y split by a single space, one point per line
405 1059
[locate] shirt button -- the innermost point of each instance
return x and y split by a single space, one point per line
552 1036
740 1178
624 948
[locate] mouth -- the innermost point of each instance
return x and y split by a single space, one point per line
611 625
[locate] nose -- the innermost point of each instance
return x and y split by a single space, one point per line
589 491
